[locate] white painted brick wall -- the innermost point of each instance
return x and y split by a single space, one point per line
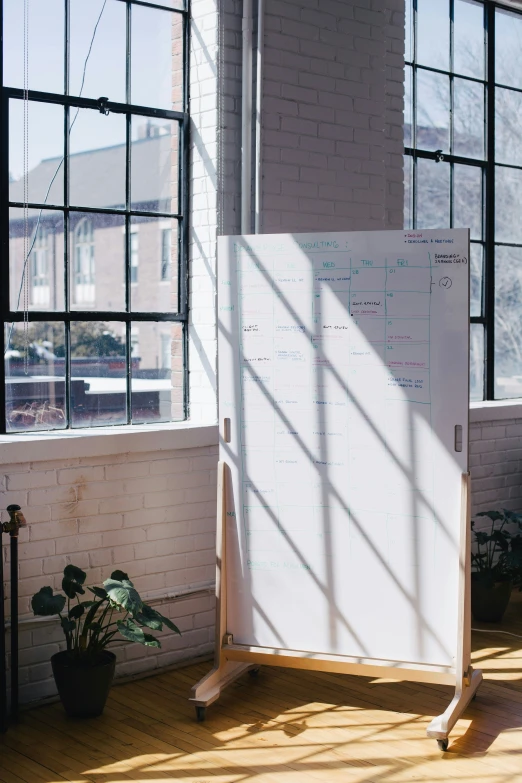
203 210
496 465
333 115
151 514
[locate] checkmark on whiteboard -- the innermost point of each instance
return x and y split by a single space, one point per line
445 282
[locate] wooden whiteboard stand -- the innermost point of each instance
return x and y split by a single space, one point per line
233 660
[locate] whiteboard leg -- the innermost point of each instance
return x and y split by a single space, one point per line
441 726
224 672
209 688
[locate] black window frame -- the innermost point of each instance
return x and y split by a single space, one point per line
129 110
487 164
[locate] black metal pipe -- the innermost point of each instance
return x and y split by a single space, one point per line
16 521
14 624
3 680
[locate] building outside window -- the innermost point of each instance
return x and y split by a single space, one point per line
134 255
463 164
39 269
166 350
83 260
166 249
101 169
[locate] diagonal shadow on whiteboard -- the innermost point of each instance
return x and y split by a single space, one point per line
338 459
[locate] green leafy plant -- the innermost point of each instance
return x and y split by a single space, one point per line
89 626
498 553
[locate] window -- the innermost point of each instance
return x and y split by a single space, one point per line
464 165
83 260
83 171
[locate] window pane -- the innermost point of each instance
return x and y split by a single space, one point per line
35 376
45 152
508 322
476 362
468 38
98 49
433 33
408 42
476 281
468 128
97 261
46 45
508 38
408 191
408 106
433 111
467 199
154 165
97 162
45 260
157 58
508 198
508 119
158 265
157 372
98 374
433 194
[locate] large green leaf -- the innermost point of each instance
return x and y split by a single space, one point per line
501 538
45 604
493 515
130 631
512 516
76 612
98 591
120 576
149 617
170 625
124 595
151 641
73 579
155 620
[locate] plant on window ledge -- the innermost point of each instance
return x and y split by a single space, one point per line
496 565
84 671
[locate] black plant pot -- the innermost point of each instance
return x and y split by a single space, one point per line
489 599
83 689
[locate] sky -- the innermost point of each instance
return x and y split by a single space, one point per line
105 74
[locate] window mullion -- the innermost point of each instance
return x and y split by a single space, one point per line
489 266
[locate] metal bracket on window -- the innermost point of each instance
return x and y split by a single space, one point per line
102 106
439 156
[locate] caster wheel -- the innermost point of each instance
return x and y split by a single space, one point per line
443 744
253 672
200 714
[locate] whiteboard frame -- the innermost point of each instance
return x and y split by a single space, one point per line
231 660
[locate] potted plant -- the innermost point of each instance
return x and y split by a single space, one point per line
496 563
83 672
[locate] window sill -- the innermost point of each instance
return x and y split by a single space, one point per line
96 442
495 410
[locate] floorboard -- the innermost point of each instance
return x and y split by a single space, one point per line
284 727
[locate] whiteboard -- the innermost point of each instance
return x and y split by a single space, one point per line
343 368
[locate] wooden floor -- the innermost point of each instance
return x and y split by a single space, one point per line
283 727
